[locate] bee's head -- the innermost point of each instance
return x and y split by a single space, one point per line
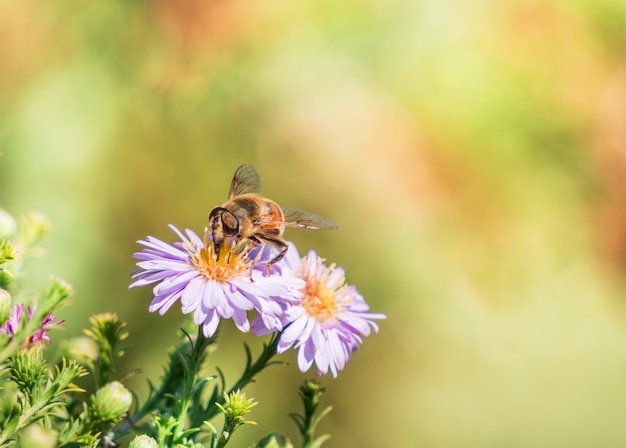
223 225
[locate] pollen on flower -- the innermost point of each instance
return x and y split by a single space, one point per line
231 262
330 320
320 299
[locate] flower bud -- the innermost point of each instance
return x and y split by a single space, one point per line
143 441
236 406
8 224
29 369
311 392
32 227
8 251
110 403
82 349
34 436
59 290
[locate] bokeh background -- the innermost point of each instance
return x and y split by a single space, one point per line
474 153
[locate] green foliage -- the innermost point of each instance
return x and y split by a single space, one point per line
274 440
108 333
473 152
178 411
310 393
42 394
41 406
236 406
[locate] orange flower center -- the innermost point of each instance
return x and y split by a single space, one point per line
319 300
231 263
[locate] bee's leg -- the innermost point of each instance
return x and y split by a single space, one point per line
241 244
217 246
255 240
276 242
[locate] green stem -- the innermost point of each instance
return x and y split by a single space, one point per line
263 361
191 374
29 416
171 381
269 351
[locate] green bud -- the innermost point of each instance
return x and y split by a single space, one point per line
59 290
32 227
143 441
110 403
5 305
8 224
311 391
29 369
107 329
8 251
34 436
82 349
274 440
236 406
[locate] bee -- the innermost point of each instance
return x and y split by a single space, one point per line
247 215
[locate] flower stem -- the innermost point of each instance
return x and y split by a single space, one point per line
186 358
252 369
192 364
263 361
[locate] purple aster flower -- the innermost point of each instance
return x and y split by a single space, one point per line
211 287
13 324
328 323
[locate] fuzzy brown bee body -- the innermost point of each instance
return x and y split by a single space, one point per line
255 213
247 215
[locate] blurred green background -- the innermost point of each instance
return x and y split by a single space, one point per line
474 153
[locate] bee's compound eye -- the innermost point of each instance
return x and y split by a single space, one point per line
230 224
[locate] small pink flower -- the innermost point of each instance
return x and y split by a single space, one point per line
13 324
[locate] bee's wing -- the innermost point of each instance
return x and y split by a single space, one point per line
306 220
245 180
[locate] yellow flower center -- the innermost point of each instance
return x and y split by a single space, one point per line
319 300
232 262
